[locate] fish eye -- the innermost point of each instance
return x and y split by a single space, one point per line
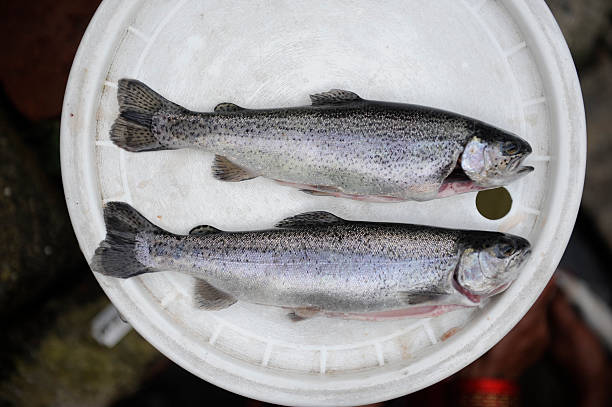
504 250
510 148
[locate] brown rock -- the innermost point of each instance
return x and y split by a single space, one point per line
37 244
597 92
54 361
582 23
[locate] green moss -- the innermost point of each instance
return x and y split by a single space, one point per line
69 368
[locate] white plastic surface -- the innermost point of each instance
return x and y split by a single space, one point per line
504 62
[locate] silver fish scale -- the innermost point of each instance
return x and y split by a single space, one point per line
354 267
362 148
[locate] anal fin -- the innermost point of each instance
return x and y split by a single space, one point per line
225 170
301 314
210 298
316 193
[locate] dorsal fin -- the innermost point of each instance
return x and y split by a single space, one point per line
309 219
228 107
334 97
210 298
203 230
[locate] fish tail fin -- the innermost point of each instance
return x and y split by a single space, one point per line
138 104
116 256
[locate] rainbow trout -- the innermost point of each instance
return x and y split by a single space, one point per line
341 145
319 263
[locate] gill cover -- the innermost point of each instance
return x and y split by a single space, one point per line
494 159
489 268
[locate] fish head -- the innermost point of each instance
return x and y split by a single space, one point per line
493 157
489 263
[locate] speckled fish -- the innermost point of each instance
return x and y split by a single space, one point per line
341 145
319 263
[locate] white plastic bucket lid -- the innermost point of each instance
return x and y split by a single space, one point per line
504 62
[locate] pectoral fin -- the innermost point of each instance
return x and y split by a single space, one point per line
412 298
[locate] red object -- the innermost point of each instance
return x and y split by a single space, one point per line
489 385
488 392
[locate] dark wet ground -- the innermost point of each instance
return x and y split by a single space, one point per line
48 296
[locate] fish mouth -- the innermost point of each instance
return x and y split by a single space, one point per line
525 169
517 172
514 167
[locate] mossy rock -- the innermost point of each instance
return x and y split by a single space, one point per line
37 244
65 366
